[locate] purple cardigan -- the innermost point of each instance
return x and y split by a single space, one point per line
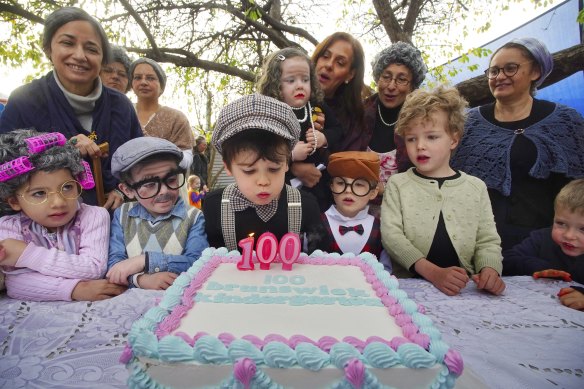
43 105
49 270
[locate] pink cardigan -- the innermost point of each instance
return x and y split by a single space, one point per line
49 274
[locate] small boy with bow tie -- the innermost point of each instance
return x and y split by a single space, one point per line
255 135
354 178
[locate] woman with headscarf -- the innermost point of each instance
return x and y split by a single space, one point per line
148 83
525 149
71 98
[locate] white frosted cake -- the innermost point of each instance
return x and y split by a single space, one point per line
330 322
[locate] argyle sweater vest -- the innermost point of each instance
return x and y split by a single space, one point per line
167 236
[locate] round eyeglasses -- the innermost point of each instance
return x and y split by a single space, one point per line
509 69
150 187
360 187
386 79
70 190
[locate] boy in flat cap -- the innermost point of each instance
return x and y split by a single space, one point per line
156 237
255 135
354 178
437 222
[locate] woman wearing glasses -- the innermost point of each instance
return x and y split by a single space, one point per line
397 70
52 247
523 148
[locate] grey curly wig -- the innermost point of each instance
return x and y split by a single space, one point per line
404 54
13 145
268 82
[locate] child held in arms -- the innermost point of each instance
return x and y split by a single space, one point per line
354 178
557 251
155 237
437 222
255 135
52 246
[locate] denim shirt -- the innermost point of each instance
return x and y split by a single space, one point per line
158 261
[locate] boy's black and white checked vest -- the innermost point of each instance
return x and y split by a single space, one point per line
228 215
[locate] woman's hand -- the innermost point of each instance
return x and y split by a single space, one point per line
113 200
318 120
86 146
307 173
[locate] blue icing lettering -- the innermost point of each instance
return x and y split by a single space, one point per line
248 288
323 290
212 285
338 292
285 289
305 290
357 292
268 289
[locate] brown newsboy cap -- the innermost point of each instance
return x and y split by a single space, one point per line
354 164
258 112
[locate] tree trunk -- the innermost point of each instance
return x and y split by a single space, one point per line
566 62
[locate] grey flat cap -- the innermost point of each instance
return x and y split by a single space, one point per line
135 150
259 112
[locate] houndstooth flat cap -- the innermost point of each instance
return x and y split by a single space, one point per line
259 112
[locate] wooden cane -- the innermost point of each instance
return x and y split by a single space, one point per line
97 176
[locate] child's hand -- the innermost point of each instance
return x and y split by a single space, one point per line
489 280
449 281
156 281
320 139
301 151
11 250
94 290
572 298
553 273
119 273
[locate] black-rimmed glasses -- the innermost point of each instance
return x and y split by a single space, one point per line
70 190
150 187
509 69
360 187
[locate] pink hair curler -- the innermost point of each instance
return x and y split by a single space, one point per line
15 168
85 178
40 143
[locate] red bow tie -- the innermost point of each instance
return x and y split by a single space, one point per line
358 229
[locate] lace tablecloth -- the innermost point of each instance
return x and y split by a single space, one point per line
524 339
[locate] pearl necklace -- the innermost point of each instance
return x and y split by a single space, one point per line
305 113
381 117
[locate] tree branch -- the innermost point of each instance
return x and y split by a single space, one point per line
19 11
142 25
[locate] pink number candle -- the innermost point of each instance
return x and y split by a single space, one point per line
289 250
246 244
266 249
